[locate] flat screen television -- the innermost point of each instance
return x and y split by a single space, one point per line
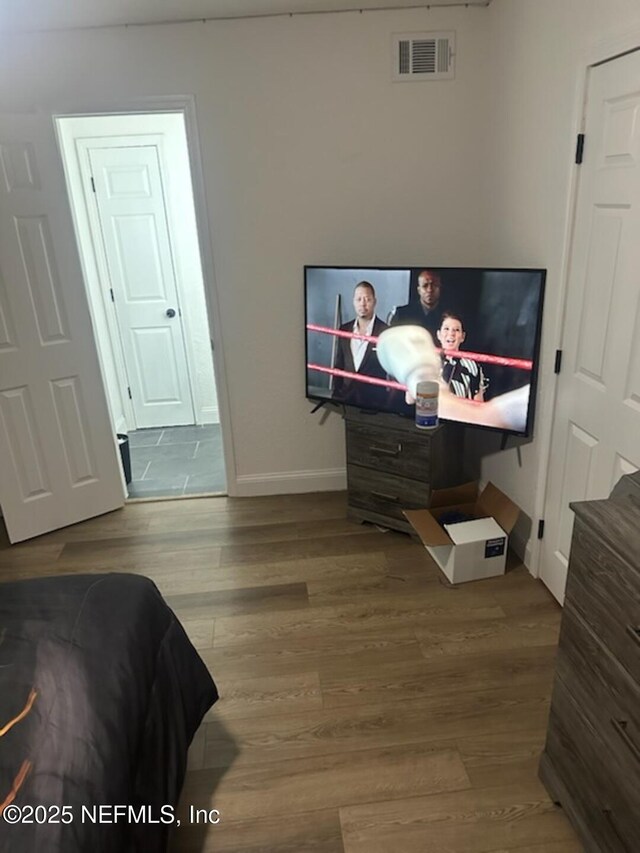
484 323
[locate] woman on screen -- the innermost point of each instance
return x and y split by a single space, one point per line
463 376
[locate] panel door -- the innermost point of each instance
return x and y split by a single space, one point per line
135 233
596 434
59 461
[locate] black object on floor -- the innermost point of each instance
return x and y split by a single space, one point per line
125 455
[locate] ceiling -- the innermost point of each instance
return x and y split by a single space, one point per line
61 14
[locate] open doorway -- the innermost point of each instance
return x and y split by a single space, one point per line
130 189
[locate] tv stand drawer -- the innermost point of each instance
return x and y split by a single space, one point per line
384 493
395 452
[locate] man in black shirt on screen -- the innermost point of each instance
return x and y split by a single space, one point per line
427 312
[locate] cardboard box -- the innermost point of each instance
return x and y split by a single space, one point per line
467 550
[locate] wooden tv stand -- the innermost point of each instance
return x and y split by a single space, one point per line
392 465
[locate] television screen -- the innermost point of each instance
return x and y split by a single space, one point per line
482 345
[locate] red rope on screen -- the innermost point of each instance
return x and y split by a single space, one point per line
484 358
359 377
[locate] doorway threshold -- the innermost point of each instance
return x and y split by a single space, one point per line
159 498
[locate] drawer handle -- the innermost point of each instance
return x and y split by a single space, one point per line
386 451
385 497
634 632
620 728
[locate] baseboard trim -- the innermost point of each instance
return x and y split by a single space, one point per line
209 415
293 482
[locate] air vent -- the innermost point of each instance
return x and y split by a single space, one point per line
423 56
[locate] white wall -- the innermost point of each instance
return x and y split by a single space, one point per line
310 155
540 52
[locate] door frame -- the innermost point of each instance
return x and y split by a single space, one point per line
602 51
94 257
184 104
97 281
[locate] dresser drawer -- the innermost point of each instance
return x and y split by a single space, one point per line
605 591
396 452
383 493
593 798
608 698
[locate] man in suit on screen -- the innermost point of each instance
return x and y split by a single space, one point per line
359 356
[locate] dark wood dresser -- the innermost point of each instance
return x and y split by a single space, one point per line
392 465
591 761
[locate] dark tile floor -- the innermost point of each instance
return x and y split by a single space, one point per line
172 461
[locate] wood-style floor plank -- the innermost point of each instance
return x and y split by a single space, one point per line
364 650
567 845
470 821
20 559
535 627
360 541
200 632
241 602
501 758
221 536
390 723
263 695
312 832
143 560
366 704
364 567
449 675
385 612
515 592
371 775
349 587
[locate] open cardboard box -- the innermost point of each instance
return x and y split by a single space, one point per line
467 550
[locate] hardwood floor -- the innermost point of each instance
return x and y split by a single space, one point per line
367 706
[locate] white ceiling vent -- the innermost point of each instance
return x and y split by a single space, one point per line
424 56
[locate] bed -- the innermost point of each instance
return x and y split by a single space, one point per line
101 693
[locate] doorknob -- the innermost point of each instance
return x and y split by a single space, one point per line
171 312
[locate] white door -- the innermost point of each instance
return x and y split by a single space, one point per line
58 456
596 433
134 225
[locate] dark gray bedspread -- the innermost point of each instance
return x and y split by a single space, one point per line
101 693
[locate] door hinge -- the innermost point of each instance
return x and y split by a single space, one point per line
558 362
129 392
113 299
93 184
579 147
541 528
